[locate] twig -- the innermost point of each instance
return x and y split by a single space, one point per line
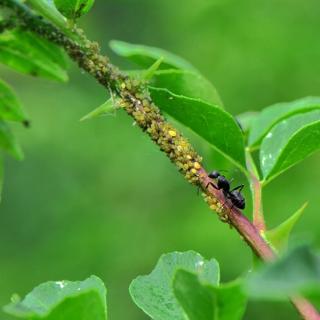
256 190
135 100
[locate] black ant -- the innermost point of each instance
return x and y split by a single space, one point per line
223 184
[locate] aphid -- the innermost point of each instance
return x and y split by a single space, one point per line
223 184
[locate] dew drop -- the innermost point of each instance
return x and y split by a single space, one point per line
61 284
199 264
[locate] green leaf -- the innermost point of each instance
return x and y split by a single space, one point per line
145 56
270 116
63 300
246 119
195 298
8 141
201 301
10 107
187 83
289 142
102 110
231 301
1 176
27 53
210 122
73 9
49 11
154 293
279 236
298 272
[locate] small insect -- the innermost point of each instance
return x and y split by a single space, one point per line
223 184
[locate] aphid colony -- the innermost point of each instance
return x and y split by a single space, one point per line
149 118
179 150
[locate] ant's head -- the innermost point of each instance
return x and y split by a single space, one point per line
214 174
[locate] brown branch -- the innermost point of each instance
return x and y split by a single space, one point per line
135 100
230 214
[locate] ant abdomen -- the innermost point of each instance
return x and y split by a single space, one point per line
237 199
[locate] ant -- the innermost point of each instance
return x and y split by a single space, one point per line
223 184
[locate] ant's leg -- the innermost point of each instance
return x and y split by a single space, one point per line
226 196
212 184
238 187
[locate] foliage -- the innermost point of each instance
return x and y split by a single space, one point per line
288 132
297 272
73 9
154 293
63 300
145 56
28 53
182 285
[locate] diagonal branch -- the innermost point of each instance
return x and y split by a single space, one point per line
136 101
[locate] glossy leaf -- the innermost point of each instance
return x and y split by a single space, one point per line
106 108
154 293
63 300
145 56
289 142
270 116
279 236
73 9
10 107
27 53
298 272
8 141
201 301
187 83
210 122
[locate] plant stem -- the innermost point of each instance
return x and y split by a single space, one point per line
135 100
256 189
305 308
230 214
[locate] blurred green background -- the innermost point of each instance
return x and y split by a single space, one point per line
99 198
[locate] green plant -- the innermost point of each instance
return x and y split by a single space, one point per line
285 134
